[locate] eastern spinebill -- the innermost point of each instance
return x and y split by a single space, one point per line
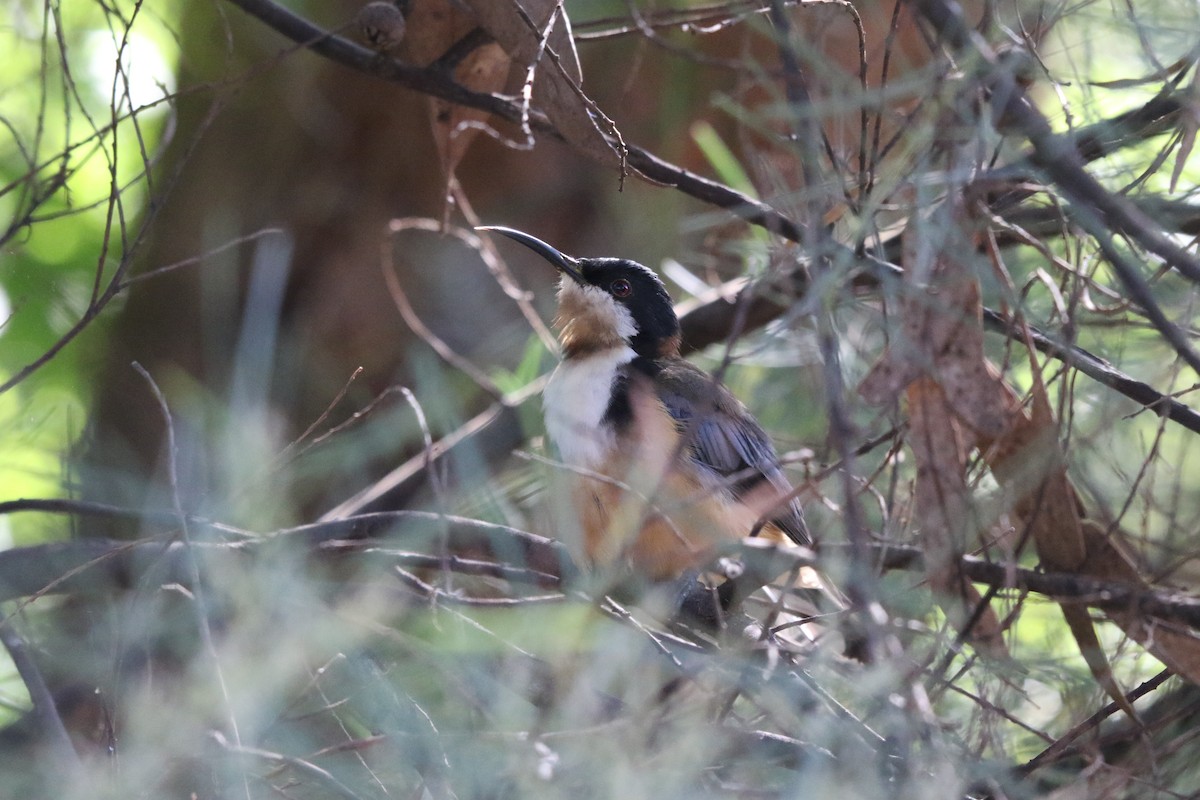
667 462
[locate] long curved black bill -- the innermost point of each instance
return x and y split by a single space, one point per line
560 260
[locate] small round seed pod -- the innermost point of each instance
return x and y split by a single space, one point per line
380 25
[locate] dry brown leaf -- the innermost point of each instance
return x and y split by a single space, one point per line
1028 463
1079 621
942 330
937 359
557 85
1172 643
484 69
958 400
943 509
1189 121
1112 781
433 28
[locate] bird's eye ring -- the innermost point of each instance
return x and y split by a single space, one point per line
620 288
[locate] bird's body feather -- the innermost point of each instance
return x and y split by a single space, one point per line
725 441
576 400
668 461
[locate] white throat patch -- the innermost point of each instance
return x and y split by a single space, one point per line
575 400
590 318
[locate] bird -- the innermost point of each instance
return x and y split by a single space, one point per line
667 464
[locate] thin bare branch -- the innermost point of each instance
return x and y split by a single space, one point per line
199 605
50 725
322 776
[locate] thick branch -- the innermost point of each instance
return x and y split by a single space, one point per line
1106 595
1100 371
93 565
89 565
435 82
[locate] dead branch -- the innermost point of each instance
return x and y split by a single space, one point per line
91 565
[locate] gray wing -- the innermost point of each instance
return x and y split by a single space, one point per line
726 440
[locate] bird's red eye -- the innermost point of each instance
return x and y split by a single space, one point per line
620 288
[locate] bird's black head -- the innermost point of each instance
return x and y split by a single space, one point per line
608 302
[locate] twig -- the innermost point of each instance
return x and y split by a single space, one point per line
316 423
455 564
352 420
435 82
439 346
619 611
130 250
1056 750
538 552
311 770
435 479
87 508
703 18
491 259
1095 208
431 592
25 570
861 585
45 712
188 262
191 564
495 431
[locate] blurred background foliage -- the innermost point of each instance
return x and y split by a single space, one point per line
68 134
253 183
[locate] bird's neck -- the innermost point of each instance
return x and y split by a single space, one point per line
579 347
587 325
668 347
